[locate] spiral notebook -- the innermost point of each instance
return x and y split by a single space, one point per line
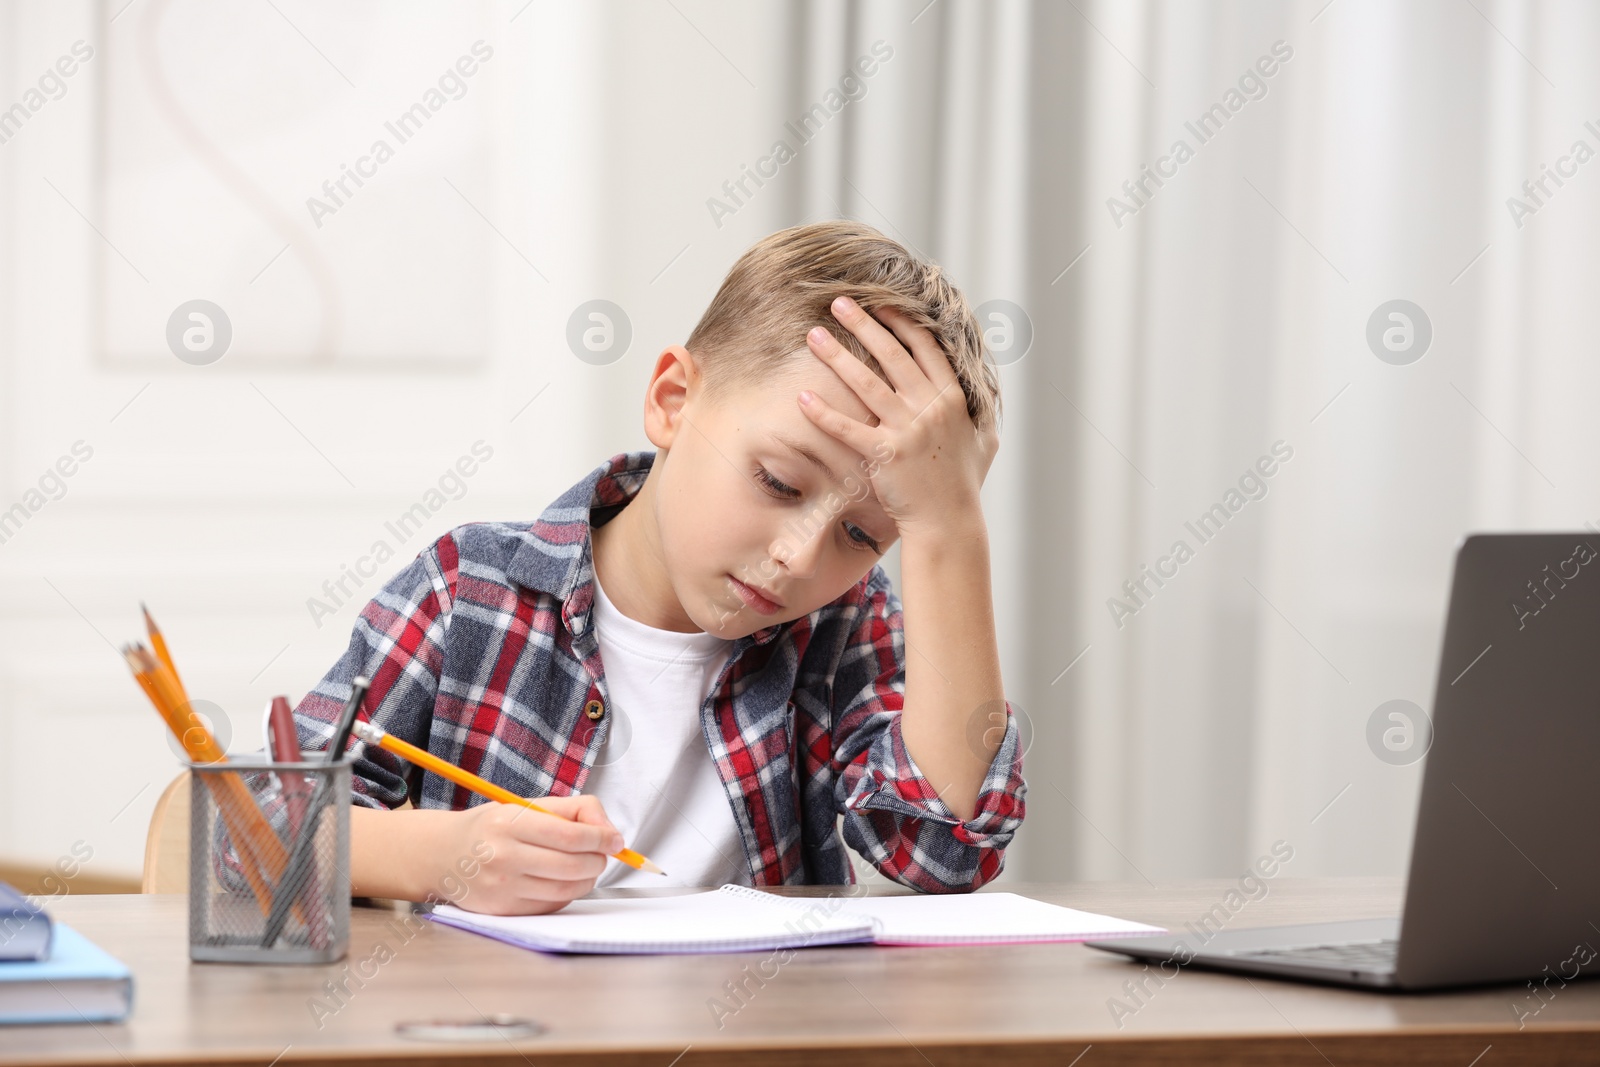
740 919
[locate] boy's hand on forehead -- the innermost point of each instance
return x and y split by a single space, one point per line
926 459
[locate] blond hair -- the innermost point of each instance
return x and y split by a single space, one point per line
784 285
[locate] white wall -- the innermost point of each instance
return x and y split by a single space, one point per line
373 345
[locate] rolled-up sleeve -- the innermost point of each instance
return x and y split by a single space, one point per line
893 815
398 643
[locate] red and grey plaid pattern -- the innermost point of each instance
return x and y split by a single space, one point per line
483 651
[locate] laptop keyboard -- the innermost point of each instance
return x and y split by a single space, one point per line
1367 955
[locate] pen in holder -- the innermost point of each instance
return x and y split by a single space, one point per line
269 861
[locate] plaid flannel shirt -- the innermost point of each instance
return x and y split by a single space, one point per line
483 651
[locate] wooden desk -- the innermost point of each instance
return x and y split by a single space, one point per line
1019 1004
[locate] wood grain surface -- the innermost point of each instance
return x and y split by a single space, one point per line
1015 1004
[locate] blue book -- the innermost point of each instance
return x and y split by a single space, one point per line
24 927
78 982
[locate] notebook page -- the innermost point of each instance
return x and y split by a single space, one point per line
979 918
711 921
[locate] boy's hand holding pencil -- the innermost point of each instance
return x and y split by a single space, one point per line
504 859
527 857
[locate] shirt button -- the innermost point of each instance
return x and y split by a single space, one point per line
595 710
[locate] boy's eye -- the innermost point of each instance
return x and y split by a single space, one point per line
865 541
773 484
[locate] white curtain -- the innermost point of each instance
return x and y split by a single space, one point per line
1230 312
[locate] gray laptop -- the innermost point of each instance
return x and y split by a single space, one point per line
1505 861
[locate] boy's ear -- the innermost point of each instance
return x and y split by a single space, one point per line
675 377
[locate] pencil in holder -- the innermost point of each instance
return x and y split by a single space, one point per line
269 861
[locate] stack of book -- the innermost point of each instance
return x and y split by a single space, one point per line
50 973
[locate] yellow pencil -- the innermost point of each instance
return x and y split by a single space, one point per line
158 642
376 735
261 854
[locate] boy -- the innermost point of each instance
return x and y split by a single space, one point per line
695 650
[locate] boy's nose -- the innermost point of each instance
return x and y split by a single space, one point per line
799 557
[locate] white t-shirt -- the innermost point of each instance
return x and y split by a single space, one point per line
654 775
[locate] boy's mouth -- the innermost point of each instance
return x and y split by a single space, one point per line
759 601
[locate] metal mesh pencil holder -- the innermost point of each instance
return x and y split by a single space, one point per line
269 861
